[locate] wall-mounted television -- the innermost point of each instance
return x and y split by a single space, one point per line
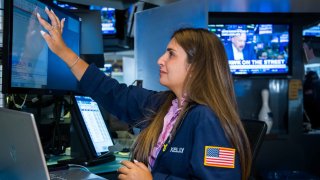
313 31
65 5
29 66
255 47
108 19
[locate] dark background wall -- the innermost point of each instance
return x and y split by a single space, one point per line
287 147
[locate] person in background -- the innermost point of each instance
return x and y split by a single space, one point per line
311 52
270 52
238 48
191 131
263 55
311 98
312 57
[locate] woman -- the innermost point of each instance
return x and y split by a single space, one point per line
192 131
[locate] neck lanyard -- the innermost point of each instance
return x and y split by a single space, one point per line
174 130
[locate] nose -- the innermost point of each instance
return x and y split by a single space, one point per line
160 61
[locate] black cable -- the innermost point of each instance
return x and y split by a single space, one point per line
39 108
56 146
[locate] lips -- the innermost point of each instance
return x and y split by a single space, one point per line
162 72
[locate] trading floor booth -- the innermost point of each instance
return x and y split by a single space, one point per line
37 81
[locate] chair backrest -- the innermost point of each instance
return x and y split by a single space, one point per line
256 131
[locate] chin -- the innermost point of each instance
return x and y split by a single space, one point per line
163 83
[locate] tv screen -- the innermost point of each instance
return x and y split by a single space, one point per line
255 49
28 65
313 31
108 19
64 5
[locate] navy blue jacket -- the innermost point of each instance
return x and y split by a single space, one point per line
184 156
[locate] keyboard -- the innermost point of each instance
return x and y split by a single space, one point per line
73 174
54 176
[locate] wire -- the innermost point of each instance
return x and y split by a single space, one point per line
17 105
79 166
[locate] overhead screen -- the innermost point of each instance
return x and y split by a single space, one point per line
255 48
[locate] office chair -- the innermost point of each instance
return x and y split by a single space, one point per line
256 131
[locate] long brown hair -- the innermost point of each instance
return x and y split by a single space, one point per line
210 84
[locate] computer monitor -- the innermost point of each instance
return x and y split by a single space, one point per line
29 66
90 128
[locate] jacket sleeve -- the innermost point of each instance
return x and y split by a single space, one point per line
126 103
208 134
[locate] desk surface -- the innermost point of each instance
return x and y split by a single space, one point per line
97 169
108 167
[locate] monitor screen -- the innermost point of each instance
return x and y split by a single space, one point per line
313 31
108 19
92 124
312 67
255 49
29 65
311 48
64 5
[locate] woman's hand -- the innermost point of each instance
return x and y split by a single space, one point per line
133 171
54 37
57 45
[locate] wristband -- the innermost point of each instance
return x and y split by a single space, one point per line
75 62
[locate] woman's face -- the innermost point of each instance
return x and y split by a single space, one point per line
173 67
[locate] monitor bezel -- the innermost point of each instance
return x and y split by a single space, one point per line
258 18
7 53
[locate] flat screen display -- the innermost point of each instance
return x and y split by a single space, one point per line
108 19
313 31
29 65
93 125
255 49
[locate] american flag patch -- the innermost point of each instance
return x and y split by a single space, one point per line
219 156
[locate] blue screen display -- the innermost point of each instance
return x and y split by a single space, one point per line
313 31
32 64
108 19
255 48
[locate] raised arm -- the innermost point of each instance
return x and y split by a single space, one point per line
53 37
129 104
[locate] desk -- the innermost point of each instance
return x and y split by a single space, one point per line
108 170
108 167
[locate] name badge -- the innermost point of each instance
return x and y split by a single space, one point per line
177 150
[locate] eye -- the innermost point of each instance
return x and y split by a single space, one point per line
171 54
